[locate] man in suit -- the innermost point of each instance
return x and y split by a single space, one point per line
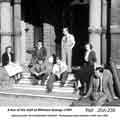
40 53
101 87
68 42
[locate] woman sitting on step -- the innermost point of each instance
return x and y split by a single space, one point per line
8 62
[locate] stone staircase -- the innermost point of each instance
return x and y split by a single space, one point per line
25 88
26 83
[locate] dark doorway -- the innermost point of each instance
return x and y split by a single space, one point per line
77 18
61 13
80 21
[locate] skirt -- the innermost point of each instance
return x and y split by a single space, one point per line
13 69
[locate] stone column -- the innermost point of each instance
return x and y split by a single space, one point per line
17 30
23 42
104 27
5 24
95 27
49 38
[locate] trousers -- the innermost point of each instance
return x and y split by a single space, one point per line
67 57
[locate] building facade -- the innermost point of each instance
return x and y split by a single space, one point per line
22 35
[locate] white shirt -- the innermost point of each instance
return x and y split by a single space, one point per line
68 41
58 69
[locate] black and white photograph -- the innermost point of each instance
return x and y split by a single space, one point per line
60 53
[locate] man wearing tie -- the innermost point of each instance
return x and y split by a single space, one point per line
101 87
60 69
68 42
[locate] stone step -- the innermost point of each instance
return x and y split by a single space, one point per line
57 83
65 89
26 93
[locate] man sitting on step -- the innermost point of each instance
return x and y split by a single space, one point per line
51 78
101 87
38 70
60 69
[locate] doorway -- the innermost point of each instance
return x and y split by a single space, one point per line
77 18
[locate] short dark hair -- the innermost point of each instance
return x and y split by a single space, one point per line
66 28
40 59
7 48
91 47
41 42
100 69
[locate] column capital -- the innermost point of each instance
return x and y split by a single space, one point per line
17 1
108 0
5 1
96 30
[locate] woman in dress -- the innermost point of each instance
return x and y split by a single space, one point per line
90 63
8 62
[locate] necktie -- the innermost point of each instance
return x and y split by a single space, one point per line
100 84
65 39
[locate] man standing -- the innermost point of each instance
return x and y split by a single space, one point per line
101 87
68 42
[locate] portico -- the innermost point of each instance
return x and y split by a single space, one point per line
19 29
23 24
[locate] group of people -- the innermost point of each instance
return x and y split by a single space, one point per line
58 69
97 82
49 71
45 70
53 68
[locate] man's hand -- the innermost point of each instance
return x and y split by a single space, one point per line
37 74
115 97
85 96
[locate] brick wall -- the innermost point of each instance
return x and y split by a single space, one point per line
29 40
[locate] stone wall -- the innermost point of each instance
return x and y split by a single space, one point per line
115 31
49 38
29 40
115 12
30 35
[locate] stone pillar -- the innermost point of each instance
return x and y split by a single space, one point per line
38 34
104 27
5 24
95 27
17 30
23 42
29 40
49 38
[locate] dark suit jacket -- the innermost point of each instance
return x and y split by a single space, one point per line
41 54
107 86
5 58
92 57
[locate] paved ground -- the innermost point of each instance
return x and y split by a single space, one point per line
87 102
7 100
22 97
32 101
